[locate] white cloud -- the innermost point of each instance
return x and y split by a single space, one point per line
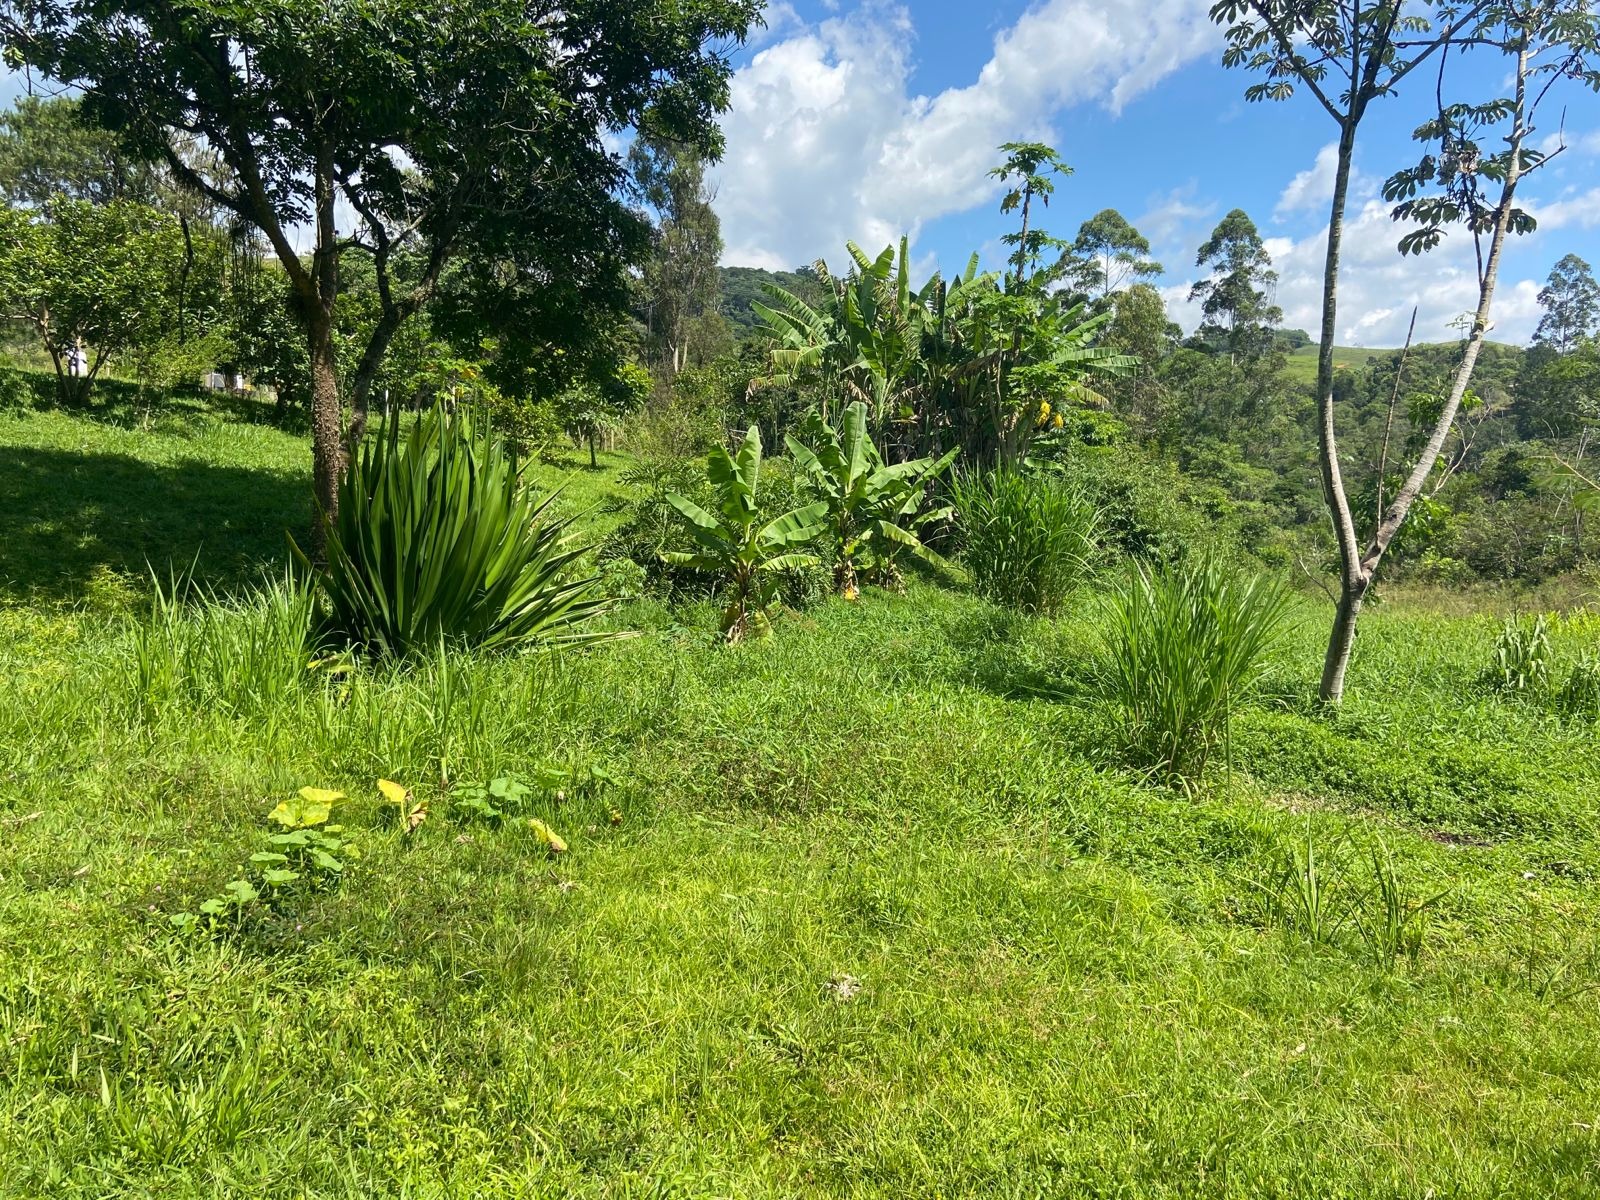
1175 224
825 141
1577 144
1311 187
1582 211
1378 287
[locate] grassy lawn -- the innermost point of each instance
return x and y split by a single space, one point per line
865 910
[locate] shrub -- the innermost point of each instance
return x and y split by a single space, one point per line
740 542
15 393
874 509
438 540
1521 662
1029 538
1188 644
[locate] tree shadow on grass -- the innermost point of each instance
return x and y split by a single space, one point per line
67 518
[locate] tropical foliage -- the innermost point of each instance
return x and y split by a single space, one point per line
746 546
875 509
951 365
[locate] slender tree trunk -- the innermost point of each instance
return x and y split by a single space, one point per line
1352 582
319 295
1412 488
327 444
366 372
1357 575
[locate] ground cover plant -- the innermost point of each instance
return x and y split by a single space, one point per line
875 906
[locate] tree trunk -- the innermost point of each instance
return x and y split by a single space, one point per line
593 462
327 444
1352 580
366 372
319 293
1412 488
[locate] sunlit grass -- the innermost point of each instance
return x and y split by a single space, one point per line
873 908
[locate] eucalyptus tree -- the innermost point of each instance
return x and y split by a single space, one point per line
1107 255
1236 297
680 276
452 132
1571 302
1346 54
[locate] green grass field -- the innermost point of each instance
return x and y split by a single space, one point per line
865 910
1302 363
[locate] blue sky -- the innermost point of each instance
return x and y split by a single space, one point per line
864 121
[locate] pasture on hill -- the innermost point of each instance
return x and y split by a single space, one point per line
867 909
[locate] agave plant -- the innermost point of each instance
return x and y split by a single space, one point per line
874 510
438 540
747 547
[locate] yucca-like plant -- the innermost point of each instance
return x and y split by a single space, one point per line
745 546
1188 645
874 509
1029 538
439 540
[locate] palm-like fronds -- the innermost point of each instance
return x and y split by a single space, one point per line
872 507
748 548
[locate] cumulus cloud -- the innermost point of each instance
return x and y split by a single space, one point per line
1378 287
825 140
1311 187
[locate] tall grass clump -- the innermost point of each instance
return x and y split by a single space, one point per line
438 540
1579 696
1029 537
1188 644
196 649
1521 662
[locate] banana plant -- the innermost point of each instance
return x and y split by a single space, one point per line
738 541
872 508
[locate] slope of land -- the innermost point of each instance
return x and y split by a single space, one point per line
865 910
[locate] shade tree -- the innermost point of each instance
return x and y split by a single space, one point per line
452 132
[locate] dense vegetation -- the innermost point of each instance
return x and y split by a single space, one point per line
562 716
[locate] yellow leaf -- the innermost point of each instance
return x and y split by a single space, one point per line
318 805
547 835
393 792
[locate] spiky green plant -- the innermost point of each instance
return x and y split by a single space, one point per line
1188 645
745 546
438 539
1521 662
874 509
1028 537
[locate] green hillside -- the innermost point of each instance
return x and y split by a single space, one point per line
1303 362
